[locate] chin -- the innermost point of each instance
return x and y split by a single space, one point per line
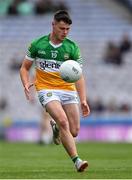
63 38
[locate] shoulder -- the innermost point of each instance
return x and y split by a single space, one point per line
71 43
40 40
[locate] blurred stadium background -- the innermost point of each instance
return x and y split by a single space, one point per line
99 27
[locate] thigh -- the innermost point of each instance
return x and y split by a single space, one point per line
56 111
73 115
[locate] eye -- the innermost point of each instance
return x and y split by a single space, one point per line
62 28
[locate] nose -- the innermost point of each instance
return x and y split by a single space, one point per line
65 31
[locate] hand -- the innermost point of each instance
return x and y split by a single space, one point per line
85 109
27 91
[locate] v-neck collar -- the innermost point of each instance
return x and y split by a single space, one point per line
55 45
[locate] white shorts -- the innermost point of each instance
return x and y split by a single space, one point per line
64 97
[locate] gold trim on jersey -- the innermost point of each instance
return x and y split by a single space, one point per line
51 80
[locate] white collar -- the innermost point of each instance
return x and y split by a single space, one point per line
55 45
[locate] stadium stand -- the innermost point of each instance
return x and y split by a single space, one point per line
95 23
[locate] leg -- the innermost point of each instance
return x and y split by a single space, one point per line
45 129
57 113
64 122
73 114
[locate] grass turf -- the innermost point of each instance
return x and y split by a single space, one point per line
32 161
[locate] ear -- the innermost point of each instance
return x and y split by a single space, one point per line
53 23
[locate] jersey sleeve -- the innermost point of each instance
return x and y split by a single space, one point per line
31 52
77 55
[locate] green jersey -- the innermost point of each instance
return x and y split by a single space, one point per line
48 58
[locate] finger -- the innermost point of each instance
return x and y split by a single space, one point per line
85 114
85 111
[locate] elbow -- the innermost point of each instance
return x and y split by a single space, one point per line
20 71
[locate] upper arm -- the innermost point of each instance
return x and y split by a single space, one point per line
26 64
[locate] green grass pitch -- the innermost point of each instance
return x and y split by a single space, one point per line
32 161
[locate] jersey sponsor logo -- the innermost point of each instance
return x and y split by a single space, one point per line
48 65
66 56
42 52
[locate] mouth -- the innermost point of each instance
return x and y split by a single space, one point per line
63 37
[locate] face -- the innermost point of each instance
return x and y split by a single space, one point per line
60 30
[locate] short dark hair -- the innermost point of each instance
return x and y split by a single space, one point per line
62 15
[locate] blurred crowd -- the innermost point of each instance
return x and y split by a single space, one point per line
38 7
126 3
115 52
98 106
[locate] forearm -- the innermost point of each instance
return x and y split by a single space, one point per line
81 89
24 74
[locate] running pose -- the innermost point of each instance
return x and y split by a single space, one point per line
59 98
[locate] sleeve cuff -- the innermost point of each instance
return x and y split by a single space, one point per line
29 58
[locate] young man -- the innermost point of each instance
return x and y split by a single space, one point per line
57 96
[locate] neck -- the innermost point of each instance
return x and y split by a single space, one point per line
54 39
